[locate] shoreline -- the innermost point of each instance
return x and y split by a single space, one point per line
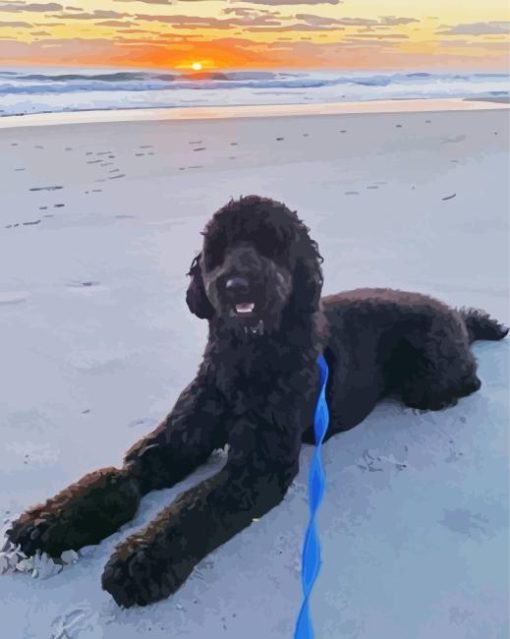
249 111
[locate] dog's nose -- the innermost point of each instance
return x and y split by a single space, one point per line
237 285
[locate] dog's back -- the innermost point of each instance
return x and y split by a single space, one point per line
384 341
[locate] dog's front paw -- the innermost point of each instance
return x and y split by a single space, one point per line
34 530
81 515
141 574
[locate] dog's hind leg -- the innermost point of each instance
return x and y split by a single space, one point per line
98 504
441 371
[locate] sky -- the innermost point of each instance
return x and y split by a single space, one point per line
257 34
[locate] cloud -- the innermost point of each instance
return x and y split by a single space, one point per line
317 21
114 23
379 36
18 7
128 29
370 23
99 14
167 2
396 21
203 22
297 26
478 28
291 2
15 24
248 12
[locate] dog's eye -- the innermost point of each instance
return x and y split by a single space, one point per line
273 250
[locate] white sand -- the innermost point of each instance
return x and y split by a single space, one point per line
247 111
97 342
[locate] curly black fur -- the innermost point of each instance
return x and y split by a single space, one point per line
258 283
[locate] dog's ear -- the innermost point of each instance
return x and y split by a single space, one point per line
196 297
308 280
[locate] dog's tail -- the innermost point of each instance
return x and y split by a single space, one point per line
480 325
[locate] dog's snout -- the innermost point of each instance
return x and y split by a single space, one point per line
237 285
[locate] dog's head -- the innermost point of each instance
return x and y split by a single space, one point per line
257 265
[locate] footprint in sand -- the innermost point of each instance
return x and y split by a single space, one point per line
398 126
31 223
105 164
113 170
20 169
428 121
97 190
373 186
194 142
58 206
139 422
305 135
68 148
13 297
85 284
114 177
200 148
93 161
280 139
71 624
351 193
232 157
103 153
46 188
139 155
43 208
89 153
233 144
14 144
343 131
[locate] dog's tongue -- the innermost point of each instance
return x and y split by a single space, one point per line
245 307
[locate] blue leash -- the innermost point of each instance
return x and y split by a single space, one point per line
311 559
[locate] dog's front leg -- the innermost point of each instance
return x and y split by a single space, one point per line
153 563
94 507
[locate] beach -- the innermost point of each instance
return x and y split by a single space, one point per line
100 222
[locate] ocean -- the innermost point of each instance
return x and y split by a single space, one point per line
24 90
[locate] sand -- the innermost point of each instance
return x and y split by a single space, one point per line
99 224
246 111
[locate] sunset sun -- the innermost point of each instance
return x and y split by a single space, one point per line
196 66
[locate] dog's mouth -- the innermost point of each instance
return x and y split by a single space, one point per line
254 324
244 308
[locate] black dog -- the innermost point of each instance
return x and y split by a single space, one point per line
258 283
